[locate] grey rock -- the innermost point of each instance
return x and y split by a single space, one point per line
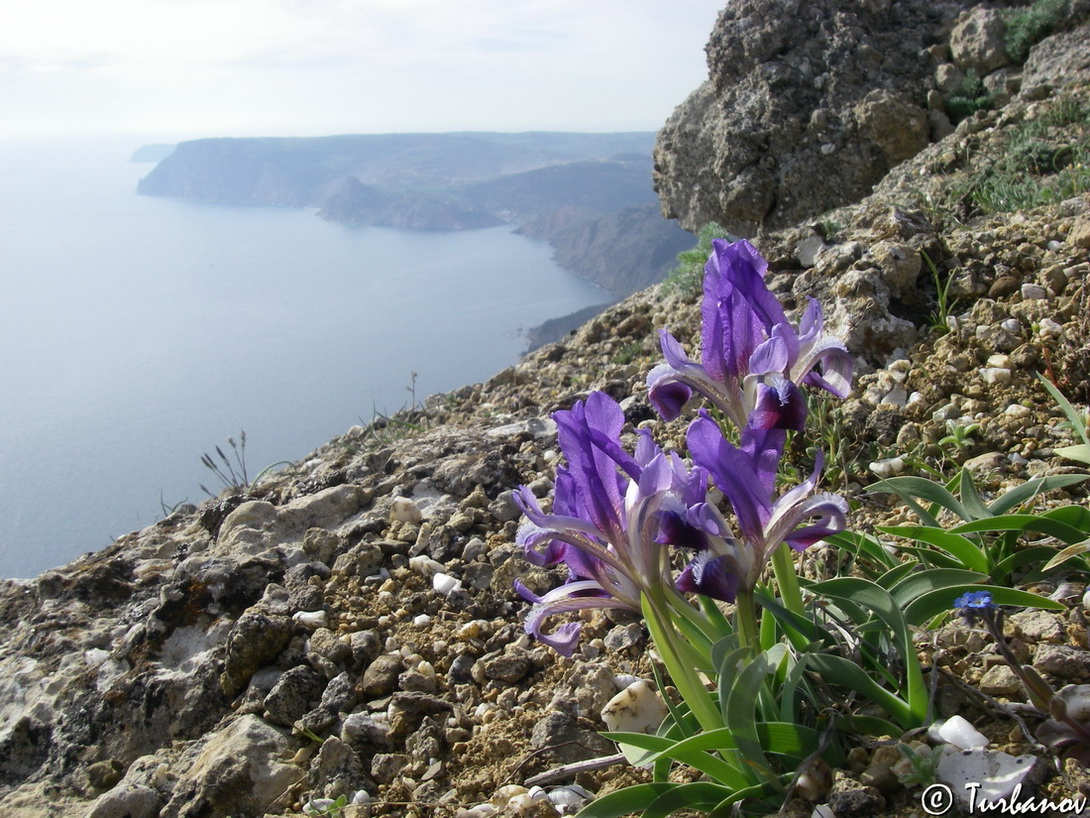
294 694
768 141
566 740
508 667
337 770
1063 661
385 767
851 799
976 43
1040 626
134 801
256 639
426 742
237 770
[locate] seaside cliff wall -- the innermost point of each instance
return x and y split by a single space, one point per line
347 626
809 103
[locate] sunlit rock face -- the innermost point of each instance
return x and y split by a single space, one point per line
807 105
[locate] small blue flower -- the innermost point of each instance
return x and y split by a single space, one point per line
974 602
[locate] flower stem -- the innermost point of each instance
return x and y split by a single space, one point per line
745 619
684 676
787 579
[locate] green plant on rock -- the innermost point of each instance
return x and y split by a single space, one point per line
988 540
968 98
1047 159
1028 26
686 277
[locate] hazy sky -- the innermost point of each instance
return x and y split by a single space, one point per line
182 69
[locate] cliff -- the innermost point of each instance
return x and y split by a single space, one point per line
809 104
347 626
459 181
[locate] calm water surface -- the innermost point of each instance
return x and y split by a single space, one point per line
137 333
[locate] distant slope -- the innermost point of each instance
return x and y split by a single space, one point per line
304 170
589 195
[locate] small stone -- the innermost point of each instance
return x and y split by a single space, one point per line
995 375
1063 661
312 619
957 731
445 584
1000 681
636 709
1031 292
508 667
851 799
294 693
404 510
1040 626
381 675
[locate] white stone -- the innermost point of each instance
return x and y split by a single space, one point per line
1048 328
1033 291
982 773
425 566
999 360
1017 410
823 811
421 620
312 619
897 397
888 467
958 731
995 375
1011 325
636 709
445 584
405 510
96 656
569 798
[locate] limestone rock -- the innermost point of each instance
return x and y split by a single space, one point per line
796 116
976 43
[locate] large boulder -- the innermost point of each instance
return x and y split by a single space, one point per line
807 105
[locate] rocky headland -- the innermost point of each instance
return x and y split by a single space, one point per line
347 626
568 189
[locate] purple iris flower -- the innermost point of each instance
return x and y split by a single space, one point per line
746 475
752 359
606 520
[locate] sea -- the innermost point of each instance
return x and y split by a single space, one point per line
139 333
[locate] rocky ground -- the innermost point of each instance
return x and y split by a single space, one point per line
348 625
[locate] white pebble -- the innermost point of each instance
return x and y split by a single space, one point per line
569 798
889 467
1033 291
1048 328
995 375
636 709
421 620
823 811
445 584
1017 410
1011 325
959 732
312 619
96 656
404 510
623 680
425 566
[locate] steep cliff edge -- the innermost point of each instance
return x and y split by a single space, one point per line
809 104
347 626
